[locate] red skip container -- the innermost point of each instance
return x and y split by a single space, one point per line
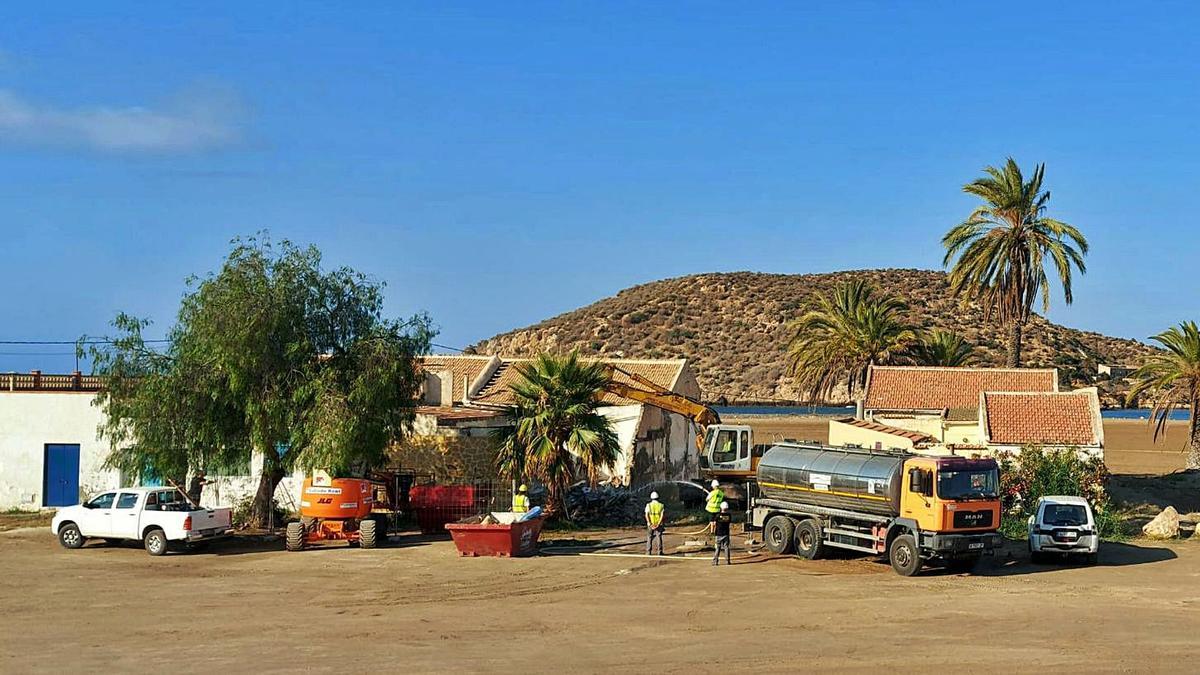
505 541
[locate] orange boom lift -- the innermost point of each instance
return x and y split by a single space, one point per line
353 510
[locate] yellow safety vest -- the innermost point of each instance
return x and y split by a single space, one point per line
655 511
520 503
714 501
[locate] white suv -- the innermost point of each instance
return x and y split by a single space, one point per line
1066 526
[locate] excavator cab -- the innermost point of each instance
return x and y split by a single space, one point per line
729 452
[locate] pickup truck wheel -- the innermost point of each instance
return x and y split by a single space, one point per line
156 542
366 533
904 555
70 536
808 539
778 534
294 540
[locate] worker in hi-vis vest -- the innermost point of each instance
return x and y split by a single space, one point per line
521 500
713 503
655 524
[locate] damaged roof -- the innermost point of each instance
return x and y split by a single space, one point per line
496 391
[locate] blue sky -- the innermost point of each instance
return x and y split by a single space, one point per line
498 163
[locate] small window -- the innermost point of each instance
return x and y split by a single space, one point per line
104 501
725 449
744 450
127 500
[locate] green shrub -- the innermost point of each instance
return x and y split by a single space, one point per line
243 510
1034 473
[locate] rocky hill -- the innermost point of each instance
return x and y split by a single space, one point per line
734 329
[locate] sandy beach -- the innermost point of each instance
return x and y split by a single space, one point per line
1129 444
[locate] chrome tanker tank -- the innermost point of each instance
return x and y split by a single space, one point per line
841 478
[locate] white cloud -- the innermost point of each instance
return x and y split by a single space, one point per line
198 120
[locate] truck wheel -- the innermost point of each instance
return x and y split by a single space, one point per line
904 555
777 535
70 536
366 533
294 540
808 539
156 542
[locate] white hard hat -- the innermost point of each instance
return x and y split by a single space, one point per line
724 506
653 495
716 483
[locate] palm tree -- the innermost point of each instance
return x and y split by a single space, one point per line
1002 249
1174 376
943 348
557 430
846 332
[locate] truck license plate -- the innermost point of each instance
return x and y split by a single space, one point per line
978 544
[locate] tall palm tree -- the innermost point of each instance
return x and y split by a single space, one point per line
1002 249
557 430
942 348
1173 375
845 333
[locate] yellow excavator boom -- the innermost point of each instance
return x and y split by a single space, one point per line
701 415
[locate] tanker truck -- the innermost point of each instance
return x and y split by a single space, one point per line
911 508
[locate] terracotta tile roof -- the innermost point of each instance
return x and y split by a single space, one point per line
463 369
950 389
914 436
1068 418
664 373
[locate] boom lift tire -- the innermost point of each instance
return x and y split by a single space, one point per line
366 533
904 555
295 537
808 539
778 534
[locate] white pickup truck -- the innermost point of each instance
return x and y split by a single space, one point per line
155 516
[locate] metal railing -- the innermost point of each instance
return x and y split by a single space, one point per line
37 381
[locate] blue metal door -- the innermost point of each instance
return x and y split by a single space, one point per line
61 471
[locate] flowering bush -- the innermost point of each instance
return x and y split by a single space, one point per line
1033 473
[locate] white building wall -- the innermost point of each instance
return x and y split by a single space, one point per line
31 420
624 420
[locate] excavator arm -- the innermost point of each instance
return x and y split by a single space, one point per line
652 394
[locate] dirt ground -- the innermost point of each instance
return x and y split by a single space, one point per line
1129 446
417 606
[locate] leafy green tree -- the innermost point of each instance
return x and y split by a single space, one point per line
942 348
1003 246
557 430
845 333
272 354
1173 378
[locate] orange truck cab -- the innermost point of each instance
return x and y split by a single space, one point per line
952 500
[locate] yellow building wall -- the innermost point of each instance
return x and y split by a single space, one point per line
844 434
